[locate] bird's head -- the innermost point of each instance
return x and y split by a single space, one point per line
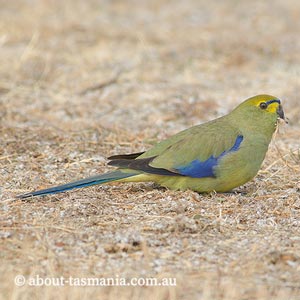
266 104
260 111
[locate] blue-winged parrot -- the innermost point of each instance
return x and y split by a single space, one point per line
215 156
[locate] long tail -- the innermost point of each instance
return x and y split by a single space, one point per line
98 179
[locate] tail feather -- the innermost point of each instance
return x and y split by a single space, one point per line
98 179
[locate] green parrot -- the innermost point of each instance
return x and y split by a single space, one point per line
218 155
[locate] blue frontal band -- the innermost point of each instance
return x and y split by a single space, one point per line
273 101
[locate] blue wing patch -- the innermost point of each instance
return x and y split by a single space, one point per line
200 169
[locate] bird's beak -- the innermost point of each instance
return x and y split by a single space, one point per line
280 112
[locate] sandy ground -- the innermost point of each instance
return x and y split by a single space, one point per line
82 80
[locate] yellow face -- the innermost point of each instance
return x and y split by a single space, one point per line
268 104
273 106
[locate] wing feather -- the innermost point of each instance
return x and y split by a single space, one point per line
194 152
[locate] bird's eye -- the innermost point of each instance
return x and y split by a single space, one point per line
263 105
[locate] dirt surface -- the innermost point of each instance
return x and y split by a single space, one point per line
82 80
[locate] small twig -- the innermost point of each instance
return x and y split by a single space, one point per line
6 156
103 84
30 227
